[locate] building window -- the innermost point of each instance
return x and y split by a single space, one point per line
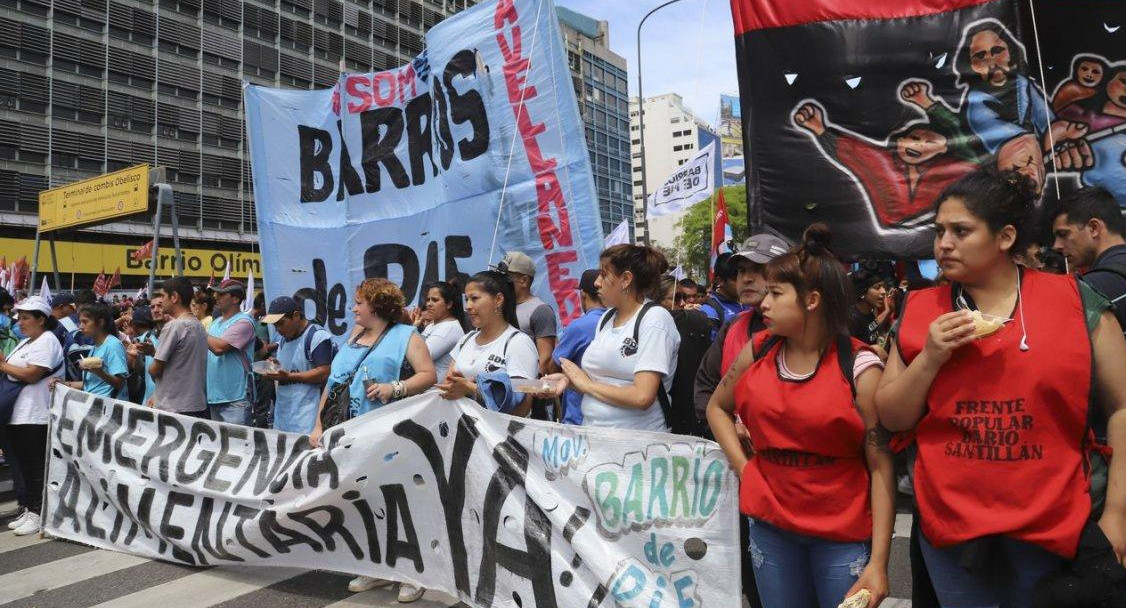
677 148
636 141
675 119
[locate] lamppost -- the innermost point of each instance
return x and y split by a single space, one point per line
641 124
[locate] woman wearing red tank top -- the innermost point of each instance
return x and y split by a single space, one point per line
999 409
819 487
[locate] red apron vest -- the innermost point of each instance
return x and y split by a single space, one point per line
809 474
735 340
1001 447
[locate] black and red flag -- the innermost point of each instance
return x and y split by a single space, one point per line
860 112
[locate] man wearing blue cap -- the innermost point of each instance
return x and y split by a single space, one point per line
304 356
576 337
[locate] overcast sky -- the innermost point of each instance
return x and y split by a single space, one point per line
686 48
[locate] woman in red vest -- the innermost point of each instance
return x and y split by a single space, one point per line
819 487
993 371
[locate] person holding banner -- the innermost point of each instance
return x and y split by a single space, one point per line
496 345
994 373
819 484
627 370
374 357
36 362
106 367
230 345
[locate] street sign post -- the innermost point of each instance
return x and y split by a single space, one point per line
103 199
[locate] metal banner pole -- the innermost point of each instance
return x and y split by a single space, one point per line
34 263
160 196
54 261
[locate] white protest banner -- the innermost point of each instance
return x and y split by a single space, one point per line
431 170
499 511
692 182
620 235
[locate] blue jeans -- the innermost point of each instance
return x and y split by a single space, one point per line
958 588
798 571
234 412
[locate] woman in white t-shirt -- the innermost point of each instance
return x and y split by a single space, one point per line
496 345
35 361
632 358
447 319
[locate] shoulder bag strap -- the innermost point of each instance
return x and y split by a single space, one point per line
606 316
367 352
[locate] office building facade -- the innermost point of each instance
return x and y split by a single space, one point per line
602 90
92 86
673 136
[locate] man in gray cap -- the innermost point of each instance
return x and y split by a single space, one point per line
230 342
536 318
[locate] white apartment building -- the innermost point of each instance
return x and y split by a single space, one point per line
673 135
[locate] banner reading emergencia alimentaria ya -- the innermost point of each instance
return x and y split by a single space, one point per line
496 510
400 173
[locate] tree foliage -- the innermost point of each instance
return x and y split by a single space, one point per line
693 243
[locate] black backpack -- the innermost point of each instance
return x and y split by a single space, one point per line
695 338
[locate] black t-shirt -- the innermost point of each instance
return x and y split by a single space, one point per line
1108 276
863 326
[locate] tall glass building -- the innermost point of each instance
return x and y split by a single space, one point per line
92 86
602 90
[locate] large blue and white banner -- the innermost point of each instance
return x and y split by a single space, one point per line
430 170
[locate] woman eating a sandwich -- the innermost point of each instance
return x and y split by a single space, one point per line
993 373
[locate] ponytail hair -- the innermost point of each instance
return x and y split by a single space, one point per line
811 266
645 263
496 283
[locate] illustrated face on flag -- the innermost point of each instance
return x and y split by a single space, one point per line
863 114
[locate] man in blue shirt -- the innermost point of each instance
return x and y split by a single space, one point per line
305 359
723 305
576 337
230 345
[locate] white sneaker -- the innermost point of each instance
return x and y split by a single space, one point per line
18 521
410 593
363 583
904 485
31 525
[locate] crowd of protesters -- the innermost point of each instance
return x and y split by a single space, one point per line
994 391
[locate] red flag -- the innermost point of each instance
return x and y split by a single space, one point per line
22 273
115 280
144 252
721 231
100 285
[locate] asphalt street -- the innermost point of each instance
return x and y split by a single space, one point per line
48 573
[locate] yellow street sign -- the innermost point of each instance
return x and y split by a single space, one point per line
95 200
92 258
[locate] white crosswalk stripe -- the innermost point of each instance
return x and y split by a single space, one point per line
204 588
66 571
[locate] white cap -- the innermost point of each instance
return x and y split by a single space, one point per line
35 303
